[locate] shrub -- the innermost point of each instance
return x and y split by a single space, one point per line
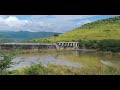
6 60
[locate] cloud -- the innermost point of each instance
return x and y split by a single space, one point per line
4 16
57 23
48 23
12 21
83 22
65 26
60 17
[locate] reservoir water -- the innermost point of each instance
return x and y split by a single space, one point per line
69 58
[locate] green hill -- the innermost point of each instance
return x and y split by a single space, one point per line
98 30
103 33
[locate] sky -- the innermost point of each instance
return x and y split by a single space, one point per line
46 23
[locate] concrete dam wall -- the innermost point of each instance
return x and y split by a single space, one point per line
57 45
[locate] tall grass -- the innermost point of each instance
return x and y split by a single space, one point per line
39 69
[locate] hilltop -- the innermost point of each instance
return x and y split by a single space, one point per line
98 30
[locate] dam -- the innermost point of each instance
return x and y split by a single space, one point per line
56 45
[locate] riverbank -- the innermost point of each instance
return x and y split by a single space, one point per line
63 63
39 69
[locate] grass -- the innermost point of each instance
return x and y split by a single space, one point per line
91 66
39 69
26 51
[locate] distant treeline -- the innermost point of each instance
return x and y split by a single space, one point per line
11 36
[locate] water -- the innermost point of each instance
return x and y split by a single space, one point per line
71 59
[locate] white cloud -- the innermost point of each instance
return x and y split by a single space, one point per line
70 17
59 18
57 23
12 21
83 22
4 16
48 23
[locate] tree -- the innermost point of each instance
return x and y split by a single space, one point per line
55 35
5 61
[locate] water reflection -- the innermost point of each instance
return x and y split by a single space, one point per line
71 58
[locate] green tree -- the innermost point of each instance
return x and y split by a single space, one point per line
55 35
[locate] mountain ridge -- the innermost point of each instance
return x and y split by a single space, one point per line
23 35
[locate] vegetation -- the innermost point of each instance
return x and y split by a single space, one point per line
6 61
104 45
39 69
90 65
55 35
96 34
102 35
11 36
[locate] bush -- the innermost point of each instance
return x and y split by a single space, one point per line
6 60
104 45
34 69
109 45
55 35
